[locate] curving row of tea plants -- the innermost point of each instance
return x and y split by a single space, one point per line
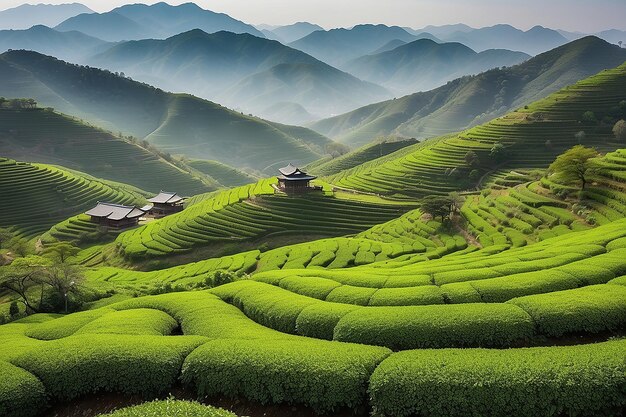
531 137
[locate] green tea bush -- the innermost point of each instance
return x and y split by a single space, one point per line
436 326
348 294
314 287
320 374
132 322
422 295
21 393
65 326
77 365
580 380
590 309
319 320
170 408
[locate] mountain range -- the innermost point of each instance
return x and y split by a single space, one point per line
472 100
177 123
160 20
28 15
243 72
424 64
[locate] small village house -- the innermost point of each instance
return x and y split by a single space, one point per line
115 216
165 203
293 180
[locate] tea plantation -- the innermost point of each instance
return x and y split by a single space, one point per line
530 137
38 195
514 305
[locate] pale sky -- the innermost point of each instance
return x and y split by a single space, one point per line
573 15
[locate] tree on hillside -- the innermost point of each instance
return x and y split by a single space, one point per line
619 130
498 152
61 251
589 117
64 281
438 206
471 158
20 277
580 136
5 236
576 164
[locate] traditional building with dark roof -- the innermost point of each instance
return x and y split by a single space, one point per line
293 180
115 215
165 203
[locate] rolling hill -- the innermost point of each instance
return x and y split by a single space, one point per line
40 135
160 20
469 101
338 46
179 124
224 174
241 71
291 33
533 41
71 46
529 137
28 15
423 64
43 195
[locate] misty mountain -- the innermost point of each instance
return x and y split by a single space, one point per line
613 36
533 41
338 46
161 20
442 31
70 46
423 65
472 100
317 87
291 33
28 15
242 71
177 123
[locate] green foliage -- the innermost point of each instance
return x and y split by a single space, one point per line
74 366
550 381
619 130
435 326
437 206
576 164
21 393
590 310
170 408
322 375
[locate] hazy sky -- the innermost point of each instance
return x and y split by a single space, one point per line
575 15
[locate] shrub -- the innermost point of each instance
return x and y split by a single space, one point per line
591 309
422 295
435 326
77 365
319 320
310 286
21 393
546 381
132 322
64 326
322 375
348 294
170 408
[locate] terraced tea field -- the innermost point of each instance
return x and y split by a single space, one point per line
326 338
42 136
532 137
39 196
252 212
223 174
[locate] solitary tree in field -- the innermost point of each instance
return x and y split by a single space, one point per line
619 130
471 158
438 206
576 164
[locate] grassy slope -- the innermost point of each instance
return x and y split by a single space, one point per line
223 174
44 136
472 100
42 195
427 167
178 123
357 157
